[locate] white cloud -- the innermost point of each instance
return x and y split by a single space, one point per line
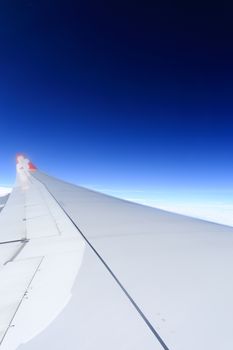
4 191
211 205
215 212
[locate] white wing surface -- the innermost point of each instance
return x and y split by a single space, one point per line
110 274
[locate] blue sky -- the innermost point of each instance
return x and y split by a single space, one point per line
127 97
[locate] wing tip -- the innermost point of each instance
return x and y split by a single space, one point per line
22 159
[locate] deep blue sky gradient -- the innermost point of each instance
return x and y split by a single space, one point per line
119 94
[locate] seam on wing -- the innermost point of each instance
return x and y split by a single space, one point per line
137 308
21 300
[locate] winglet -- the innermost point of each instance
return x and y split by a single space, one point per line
23 163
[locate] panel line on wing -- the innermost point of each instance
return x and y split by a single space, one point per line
14 241
20 302
140 312
24 242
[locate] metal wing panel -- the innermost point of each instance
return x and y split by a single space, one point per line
12 224
98 316
39 272
15 280
38 269
144 278
177 269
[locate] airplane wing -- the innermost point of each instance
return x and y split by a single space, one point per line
83 270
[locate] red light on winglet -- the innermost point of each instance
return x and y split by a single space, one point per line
31 167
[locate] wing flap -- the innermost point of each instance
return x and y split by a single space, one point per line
38 269
15 279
